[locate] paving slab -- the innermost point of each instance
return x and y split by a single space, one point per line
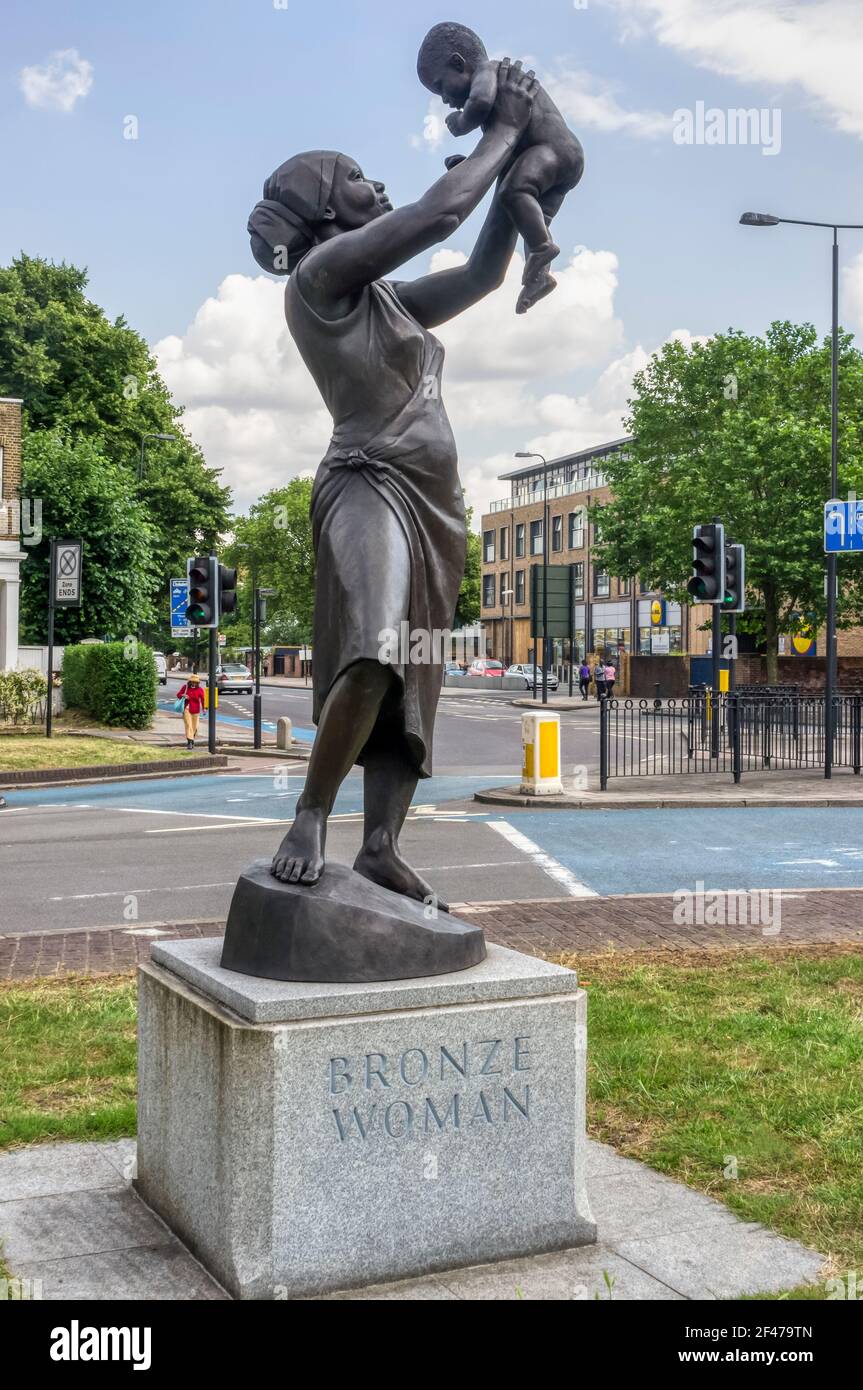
659 1240
50 1169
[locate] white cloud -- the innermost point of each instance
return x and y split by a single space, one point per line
254 409
813 45
434 127
586 102
57 84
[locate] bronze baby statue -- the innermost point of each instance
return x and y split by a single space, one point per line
548 161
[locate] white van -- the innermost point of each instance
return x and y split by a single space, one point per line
161 668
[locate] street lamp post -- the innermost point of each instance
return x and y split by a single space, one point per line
766 219
544 462
144 438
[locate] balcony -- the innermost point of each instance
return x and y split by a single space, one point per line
591 482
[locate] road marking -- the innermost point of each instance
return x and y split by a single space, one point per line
189 815
550 866
139 892
211 829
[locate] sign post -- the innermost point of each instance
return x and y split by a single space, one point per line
64 591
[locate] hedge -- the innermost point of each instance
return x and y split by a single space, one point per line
21 696
114 682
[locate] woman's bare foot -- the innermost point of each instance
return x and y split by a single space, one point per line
538 262
380 860
534 292
300 856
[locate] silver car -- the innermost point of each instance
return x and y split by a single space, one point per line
527 673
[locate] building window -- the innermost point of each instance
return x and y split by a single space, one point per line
624 587
2 477
488 590
519 586
536 538
644 588
609 642
578 579
576 530
601 584
505 591
488 547
519 541
504 542
557 533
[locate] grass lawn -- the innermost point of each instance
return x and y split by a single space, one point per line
701 1069
33 752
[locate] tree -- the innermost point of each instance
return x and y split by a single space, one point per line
468 608
85 495
739 428
96 379
273 544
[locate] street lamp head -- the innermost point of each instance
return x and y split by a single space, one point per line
759 219
163 436
522 455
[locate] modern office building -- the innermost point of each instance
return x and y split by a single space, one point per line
611 615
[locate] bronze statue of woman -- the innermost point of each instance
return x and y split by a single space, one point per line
387 509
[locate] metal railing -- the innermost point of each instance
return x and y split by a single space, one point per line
732 733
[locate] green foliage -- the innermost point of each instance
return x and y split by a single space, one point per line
21 693
85 495
739 427
96 380
114 682
76 683
273 547
468 608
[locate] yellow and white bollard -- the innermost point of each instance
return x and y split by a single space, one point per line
540 737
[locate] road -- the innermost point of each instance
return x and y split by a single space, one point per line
159 851
472 729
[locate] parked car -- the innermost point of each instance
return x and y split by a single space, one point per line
452 668
235 677
526 673
482 667
161 668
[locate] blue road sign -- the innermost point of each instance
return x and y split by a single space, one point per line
179 604
843 526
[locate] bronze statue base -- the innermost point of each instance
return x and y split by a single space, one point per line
345 930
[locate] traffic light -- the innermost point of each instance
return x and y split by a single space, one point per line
227 591
708 563
734 599
203 576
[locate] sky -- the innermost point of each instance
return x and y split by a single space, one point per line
136 139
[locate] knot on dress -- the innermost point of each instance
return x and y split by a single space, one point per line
359 461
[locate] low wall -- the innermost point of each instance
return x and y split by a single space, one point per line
671 673
806 671
485 683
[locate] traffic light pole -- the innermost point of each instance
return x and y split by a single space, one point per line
213 690
717 666
257 703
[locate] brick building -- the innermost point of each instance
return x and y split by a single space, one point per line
610 615
11 553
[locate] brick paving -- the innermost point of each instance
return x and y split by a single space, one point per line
582 926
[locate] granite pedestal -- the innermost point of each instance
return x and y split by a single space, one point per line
301 1138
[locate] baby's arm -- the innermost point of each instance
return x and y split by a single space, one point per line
479 105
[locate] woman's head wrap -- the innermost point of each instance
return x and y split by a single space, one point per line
282 226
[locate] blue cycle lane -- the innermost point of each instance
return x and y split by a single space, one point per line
638 851
301 735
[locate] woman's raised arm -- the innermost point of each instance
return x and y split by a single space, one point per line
338 268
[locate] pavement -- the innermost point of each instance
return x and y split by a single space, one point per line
71 1222
652 925
803 787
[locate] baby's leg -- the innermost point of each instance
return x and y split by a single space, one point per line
533 174
525 192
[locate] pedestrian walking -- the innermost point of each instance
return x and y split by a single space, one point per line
610 678
584 679
192 698
599 679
